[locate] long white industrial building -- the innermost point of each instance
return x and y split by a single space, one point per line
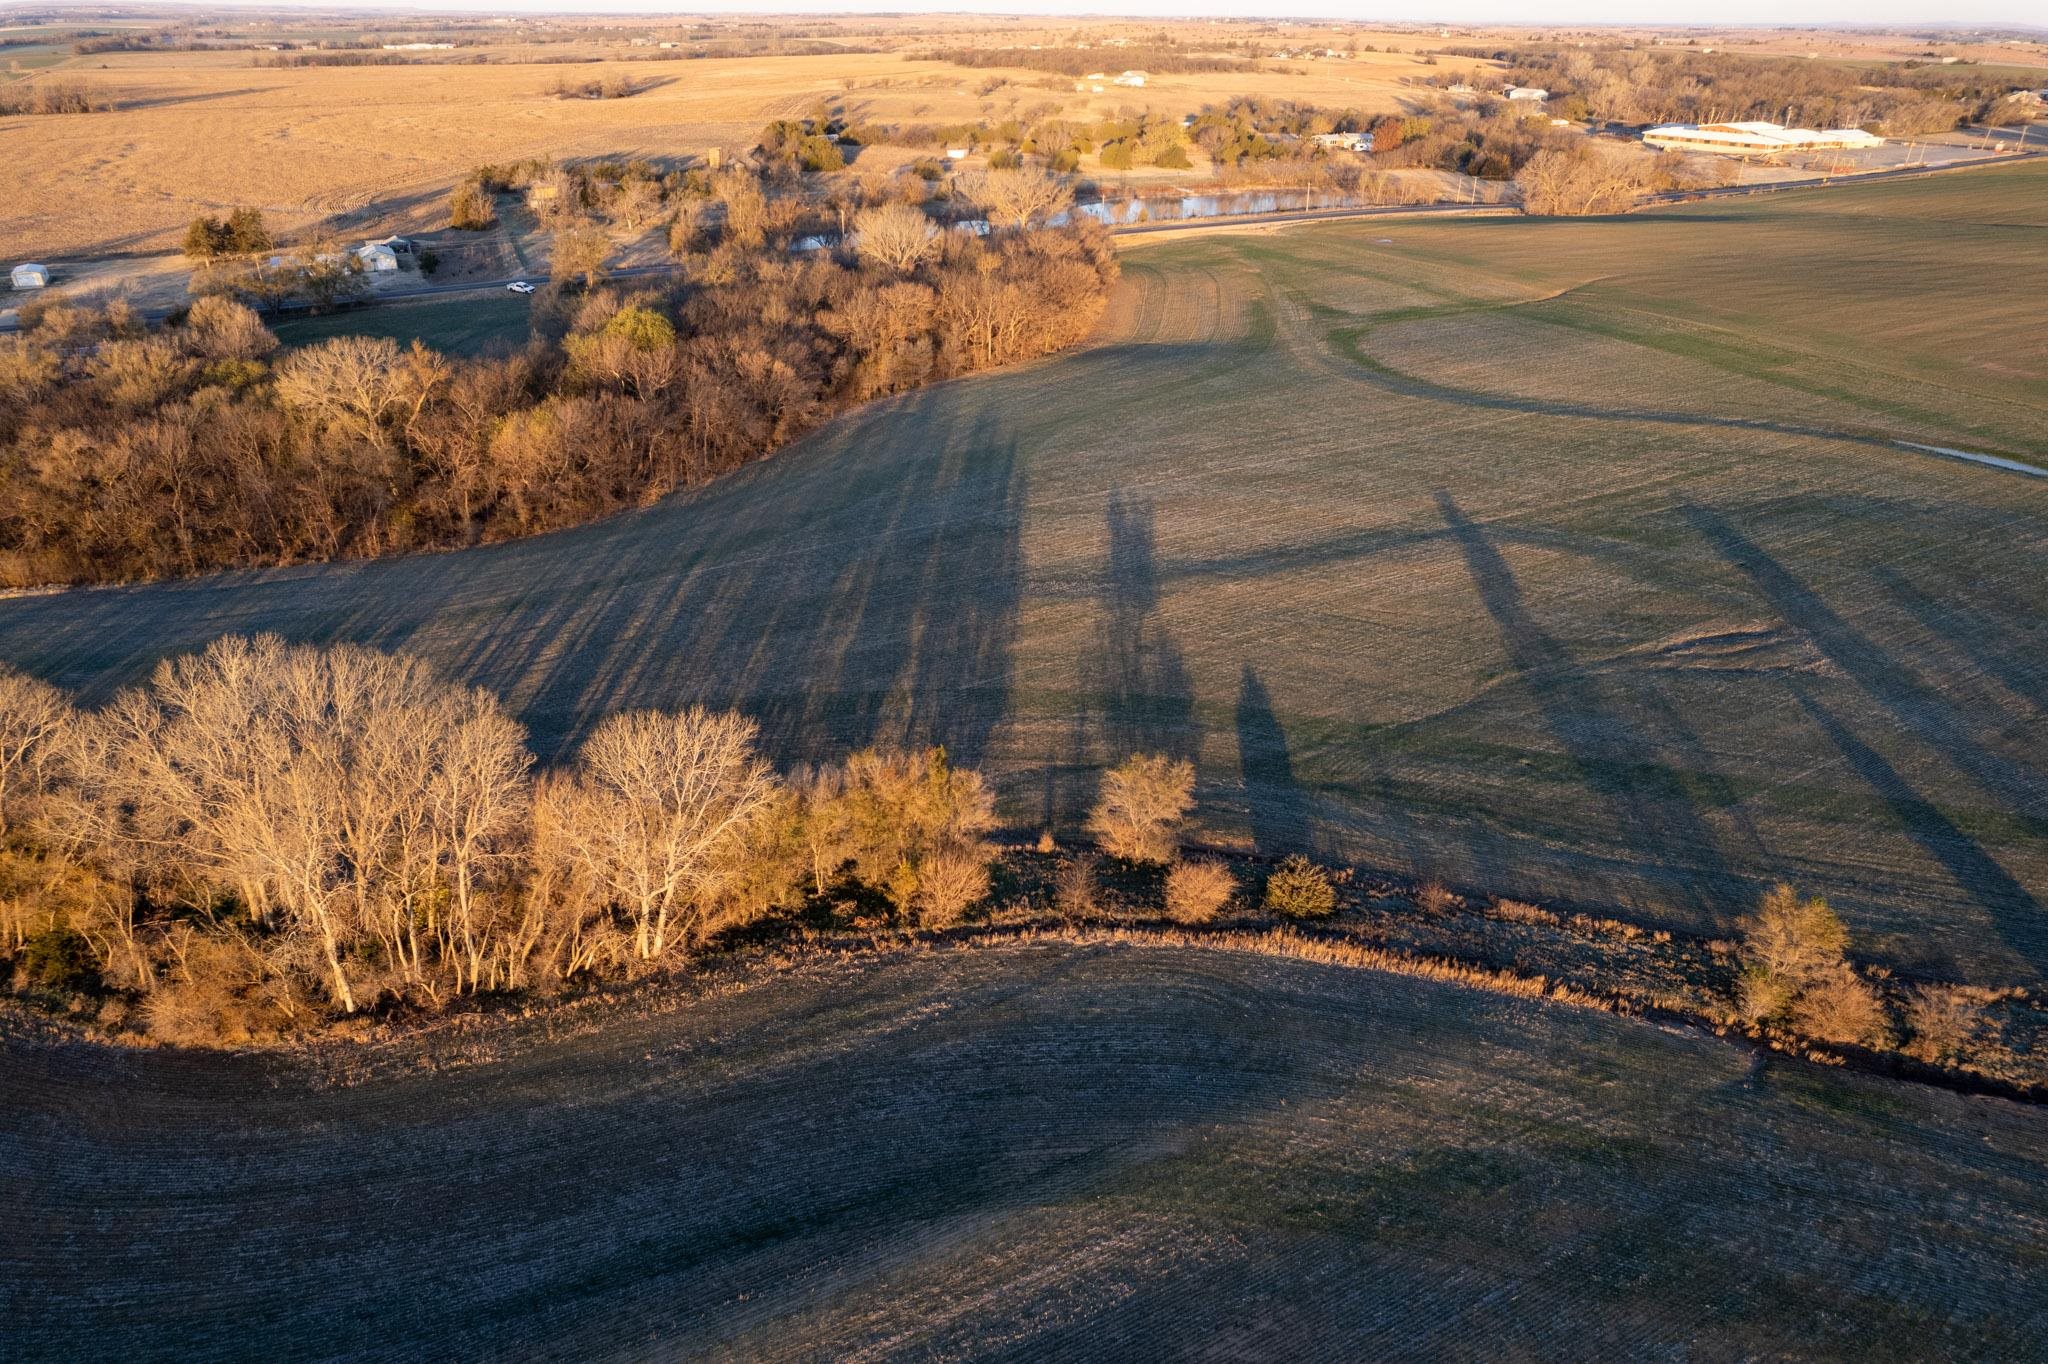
1755 139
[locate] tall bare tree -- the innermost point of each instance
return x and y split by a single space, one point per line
1018 198
661 805
895 236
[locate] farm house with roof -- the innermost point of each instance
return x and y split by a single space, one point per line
1755 139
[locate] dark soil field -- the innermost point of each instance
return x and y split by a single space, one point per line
1034 1152
1570 560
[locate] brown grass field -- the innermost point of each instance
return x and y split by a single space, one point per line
1039 1152
370 148
1566 560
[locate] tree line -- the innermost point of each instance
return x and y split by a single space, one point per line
265 836
130 452
1647 85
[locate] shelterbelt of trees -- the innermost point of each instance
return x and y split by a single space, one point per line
128 452
266 836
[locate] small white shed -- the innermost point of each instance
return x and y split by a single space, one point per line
377 258
31 277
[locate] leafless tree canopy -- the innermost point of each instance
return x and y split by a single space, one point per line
266 834
1018 198
659 816
896 237
1143 802
35 720
133 453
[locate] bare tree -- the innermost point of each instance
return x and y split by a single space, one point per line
746 206
35 722
222 329
908 809
580 251
1143 801
1196 892
660 806
1018 198
895 236
479 801
1578 180
354 383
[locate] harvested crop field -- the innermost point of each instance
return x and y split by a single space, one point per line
370 149
1028 1152
1571 560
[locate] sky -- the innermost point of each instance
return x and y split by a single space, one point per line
1721 13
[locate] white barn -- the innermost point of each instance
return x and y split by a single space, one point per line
27 276
1755 139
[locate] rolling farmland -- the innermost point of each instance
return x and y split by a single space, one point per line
1029 1152
1574 560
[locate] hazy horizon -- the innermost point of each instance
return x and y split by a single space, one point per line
1861 14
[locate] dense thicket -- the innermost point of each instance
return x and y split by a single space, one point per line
267 835
129 453
51 97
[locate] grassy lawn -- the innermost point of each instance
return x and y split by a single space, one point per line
1569 560
459 325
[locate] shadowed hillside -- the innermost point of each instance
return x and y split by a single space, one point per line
1023 1153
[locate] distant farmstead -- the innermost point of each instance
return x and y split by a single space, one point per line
31 277
1344 142
1528 94
1756 139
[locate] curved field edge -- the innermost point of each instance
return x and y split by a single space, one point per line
1046 1149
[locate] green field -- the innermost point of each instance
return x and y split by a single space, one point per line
1032 1153
1572 560
470 324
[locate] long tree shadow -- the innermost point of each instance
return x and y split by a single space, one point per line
1277 807
1606 740
2022 668
1136 672
1918 708
888 620
2015 914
